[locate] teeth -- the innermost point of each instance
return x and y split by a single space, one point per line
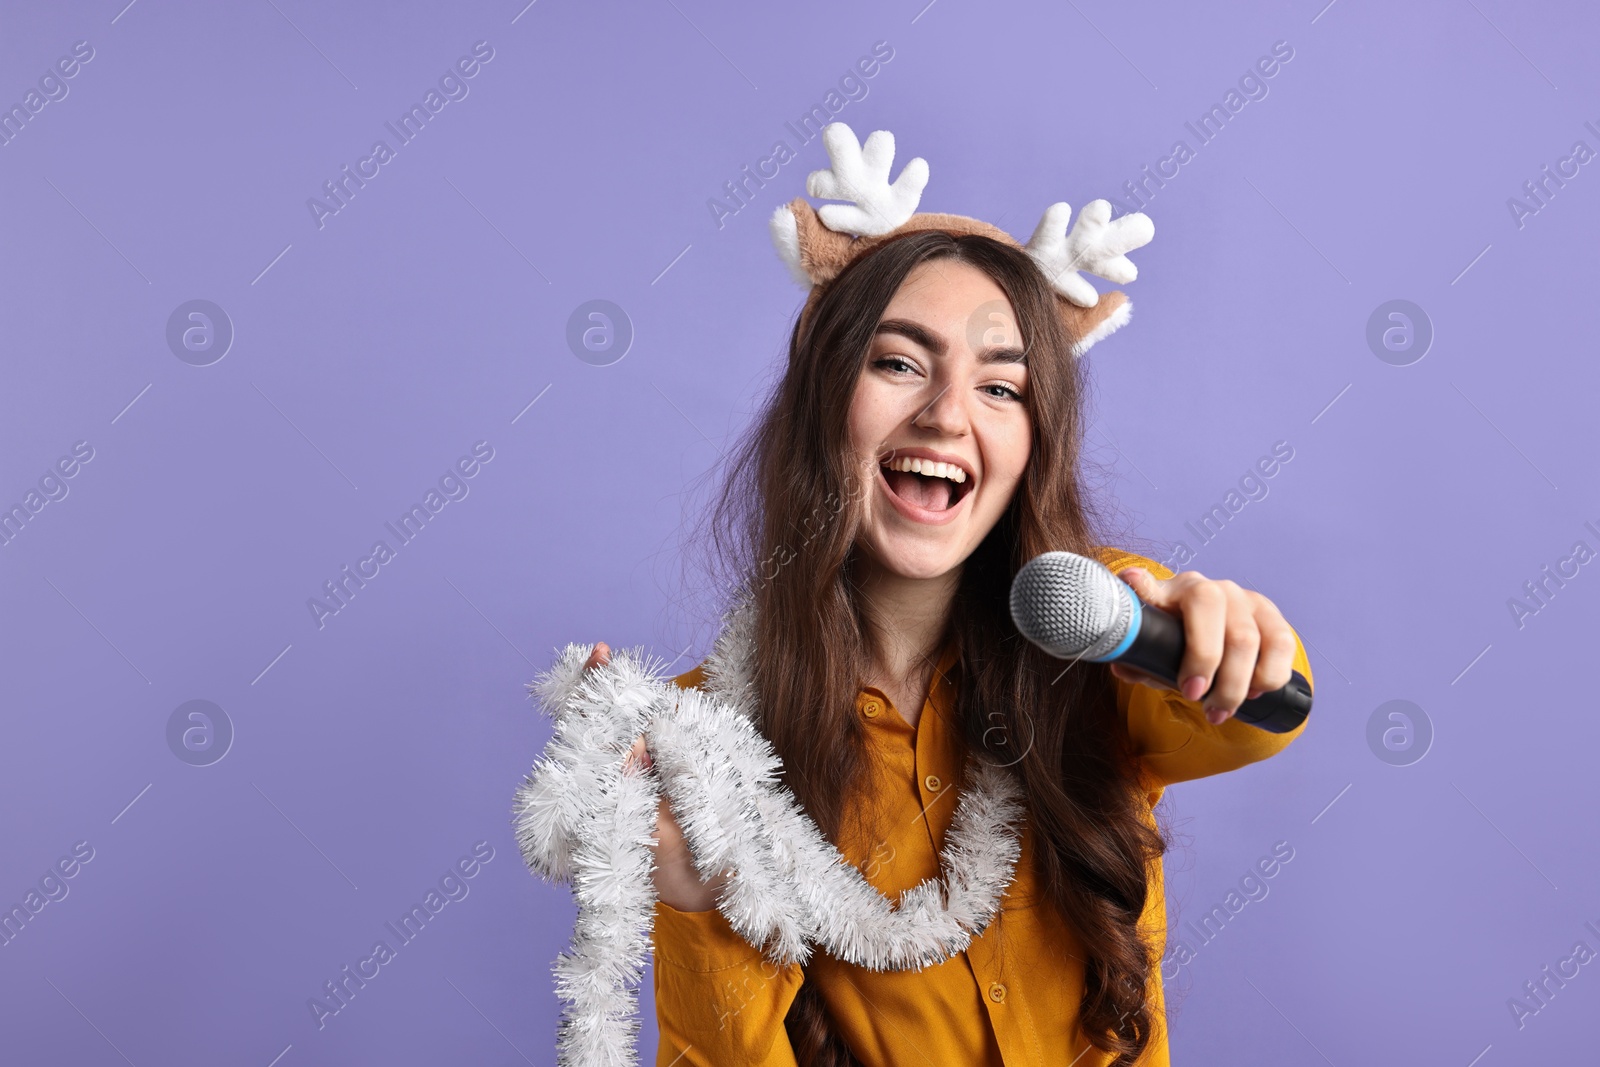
928 467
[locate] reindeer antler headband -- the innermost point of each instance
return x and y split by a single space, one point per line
818 243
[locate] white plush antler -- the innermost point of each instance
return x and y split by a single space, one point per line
860 174
1097 244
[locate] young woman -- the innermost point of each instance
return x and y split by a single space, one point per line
887 654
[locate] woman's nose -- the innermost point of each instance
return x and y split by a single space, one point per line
945 412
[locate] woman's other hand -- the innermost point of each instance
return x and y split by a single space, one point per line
1232 635
677 882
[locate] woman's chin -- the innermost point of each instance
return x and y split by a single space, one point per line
914 558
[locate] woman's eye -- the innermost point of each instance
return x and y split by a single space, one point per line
896 360
1006 391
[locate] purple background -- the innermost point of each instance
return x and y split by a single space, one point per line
371 353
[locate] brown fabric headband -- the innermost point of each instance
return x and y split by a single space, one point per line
817 243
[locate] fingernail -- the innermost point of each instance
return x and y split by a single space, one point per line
1252 694
1193 687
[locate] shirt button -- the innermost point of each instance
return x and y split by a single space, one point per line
871 709
932 782
997 993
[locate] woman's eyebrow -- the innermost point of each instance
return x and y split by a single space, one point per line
920 335
916 333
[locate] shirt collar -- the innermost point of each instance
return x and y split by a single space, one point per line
941 687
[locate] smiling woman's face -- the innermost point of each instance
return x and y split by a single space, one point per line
943 383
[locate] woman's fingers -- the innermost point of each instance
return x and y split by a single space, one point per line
1241 642
1151 590
1189 596
638 756
1237 644
668 832
676 880
1205 620
599 656
1275 664
1203 606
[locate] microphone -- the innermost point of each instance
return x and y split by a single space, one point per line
1074 608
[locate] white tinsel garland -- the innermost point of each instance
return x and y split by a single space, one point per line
580 819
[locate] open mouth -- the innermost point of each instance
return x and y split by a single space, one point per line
926 485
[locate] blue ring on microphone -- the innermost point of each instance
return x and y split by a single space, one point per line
1129 637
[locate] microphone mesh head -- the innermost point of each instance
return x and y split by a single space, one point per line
1070 605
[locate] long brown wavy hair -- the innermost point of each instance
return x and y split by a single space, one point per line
784 528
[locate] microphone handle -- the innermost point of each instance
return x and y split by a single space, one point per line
1158 649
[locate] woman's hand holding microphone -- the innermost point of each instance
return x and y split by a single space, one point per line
1237 643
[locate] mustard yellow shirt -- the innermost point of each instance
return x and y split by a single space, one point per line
1012 997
